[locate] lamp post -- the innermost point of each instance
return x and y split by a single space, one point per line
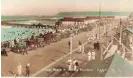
101 52
71 35
71 43
105 30
100 16
120 32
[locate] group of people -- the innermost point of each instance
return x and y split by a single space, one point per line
91 55
80 46
21 71
73 64
17 33
22 43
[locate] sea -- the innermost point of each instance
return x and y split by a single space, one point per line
66 14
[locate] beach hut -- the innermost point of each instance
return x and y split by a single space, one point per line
128 34
127 37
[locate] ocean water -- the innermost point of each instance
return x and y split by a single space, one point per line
6 18
66 14
92 13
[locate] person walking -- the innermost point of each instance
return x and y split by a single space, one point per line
27 70
93 54
69 43
94 45
75 63
12 44
97 45
19 67
80 46
70 64
15 41
89 55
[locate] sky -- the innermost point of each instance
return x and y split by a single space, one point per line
52 7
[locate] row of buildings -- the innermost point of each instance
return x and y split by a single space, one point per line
81 21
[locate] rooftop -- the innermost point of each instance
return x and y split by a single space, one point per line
130 30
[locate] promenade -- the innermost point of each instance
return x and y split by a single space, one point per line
59 69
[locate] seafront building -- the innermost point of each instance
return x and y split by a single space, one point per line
81 21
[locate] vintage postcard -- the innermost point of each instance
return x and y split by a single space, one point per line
67 38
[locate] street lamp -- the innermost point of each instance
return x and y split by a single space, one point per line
100 16
71 35
120 32
71 43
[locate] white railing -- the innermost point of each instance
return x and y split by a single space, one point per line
123 45
108 47
119 43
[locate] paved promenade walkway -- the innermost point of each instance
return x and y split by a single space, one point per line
51 71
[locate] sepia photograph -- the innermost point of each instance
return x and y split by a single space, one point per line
66 38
